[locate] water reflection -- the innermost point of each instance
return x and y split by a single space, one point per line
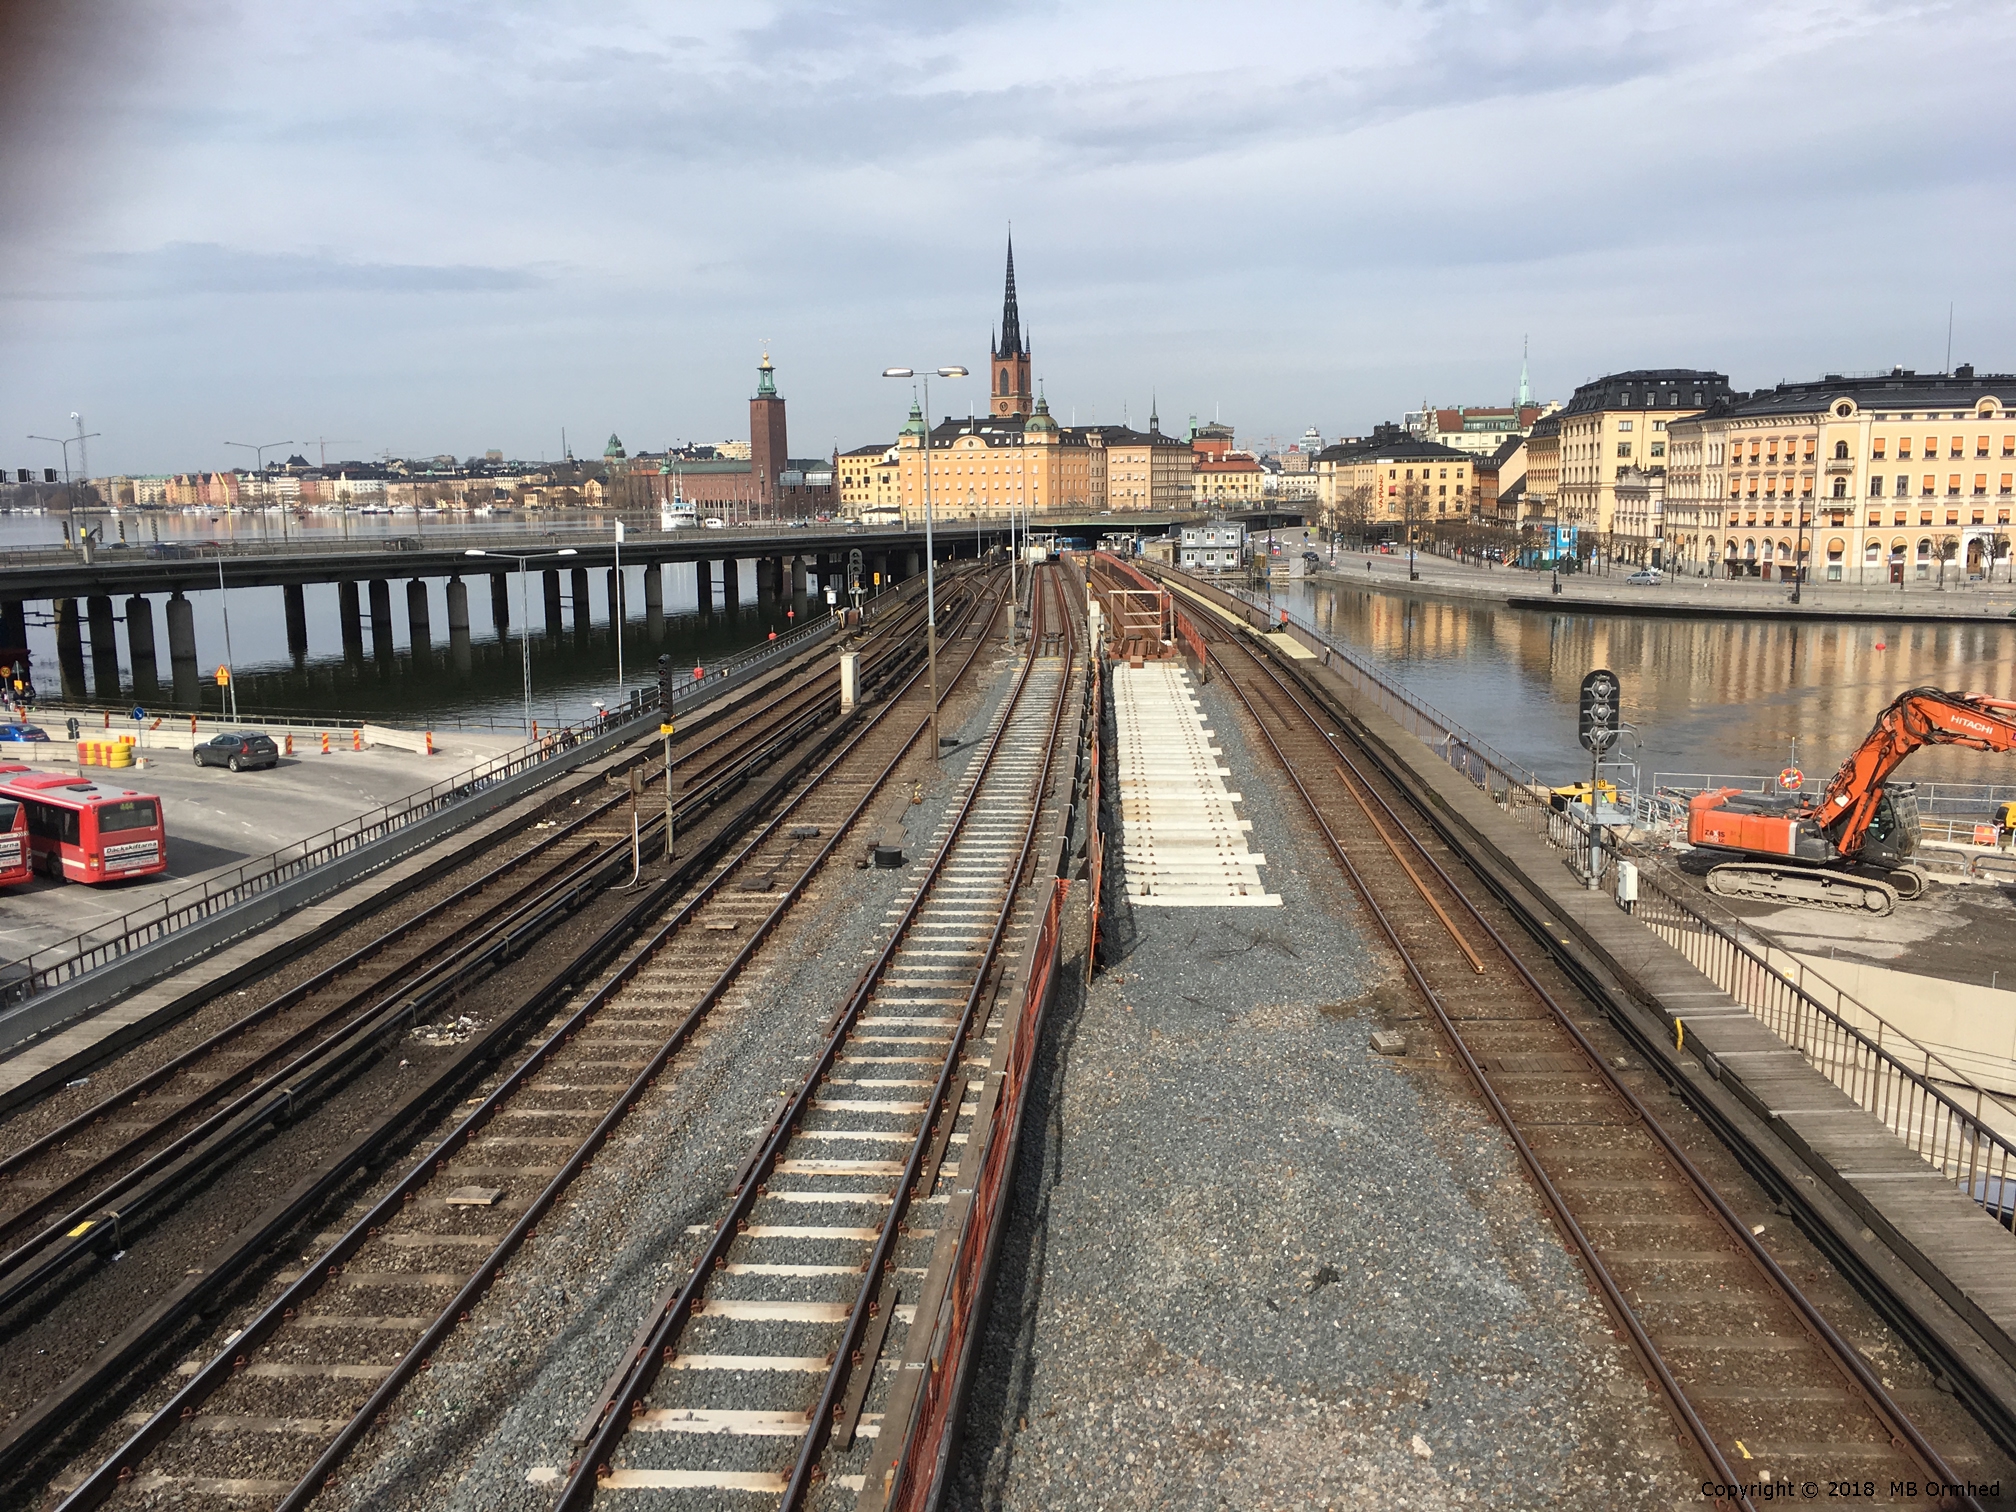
1706 695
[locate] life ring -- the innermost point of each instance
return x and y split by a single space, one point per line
1791 779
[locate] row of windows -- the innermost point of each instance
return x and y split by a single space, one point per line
1956 447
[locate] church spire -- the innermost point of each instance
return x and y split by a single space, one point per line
1011 318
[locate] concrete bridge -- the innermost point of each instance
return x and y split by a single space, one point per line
787 561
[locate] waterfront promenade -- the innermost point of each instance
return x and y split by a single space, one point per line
1681 596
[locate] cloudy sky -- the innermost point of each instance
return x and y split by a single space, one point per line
444 227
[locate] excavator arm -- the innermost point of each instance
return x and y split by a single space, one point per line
1920 717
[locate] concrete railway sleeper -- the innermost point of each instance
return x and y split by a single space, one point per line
721 761
928 1002
464 911
673 943
30 1434
1551 1128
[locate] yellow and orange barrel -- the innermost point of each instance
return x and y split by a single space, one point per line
356 740
106 753
325 742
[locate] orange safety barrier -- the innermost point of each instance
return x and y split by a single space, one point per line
430 742
356 740
325 742
289 750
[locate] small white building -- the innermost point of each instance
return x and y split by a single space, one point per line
1217 547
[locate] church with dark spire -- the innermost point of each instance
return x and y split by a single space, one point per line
1010 386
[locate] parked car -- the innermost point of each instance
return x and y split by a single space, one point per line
239 750
1314 559
712 523
1646 577
22 732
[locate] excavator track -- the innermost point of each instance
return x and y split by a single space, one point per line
1804 887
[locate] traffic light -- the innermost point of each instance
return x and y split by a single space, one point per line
1597 729
665 682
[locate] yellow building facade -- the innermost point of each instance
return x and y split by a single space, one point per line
869 478
1384 486
1619 424
1867 480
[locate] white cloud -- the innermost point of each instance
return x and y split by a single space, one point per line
484 220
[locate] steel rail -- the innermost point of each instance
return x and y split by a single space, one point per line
1861 1380
320 1475
105 1478
144 1086
610 1421
224 1130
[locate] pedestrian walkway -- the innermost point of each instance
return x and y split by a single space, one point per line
1182 841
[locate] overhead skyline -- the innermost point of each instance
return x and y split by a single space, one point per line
466 227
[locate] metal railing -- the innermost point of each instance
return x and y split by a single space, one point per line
99 946
1938 1110
332 543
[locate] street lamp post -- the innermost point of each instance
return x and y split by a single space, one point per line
524 613
230 662
930 552
70 488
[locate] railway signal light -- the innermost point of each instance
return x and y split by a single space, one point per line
665 682
1598 726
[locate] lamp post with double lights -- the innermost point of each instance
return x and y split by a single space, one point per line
524 611
70 487
930 554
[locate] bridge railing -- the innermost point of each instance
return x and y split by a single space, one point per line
56 964
1962 1129
327 542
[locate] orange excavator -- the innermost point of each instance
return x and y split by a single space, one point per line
1851 847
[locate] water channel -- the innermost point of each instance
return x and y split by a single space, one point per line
1731 696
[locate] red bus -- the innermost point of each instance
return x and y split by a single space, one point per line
86 831
14 855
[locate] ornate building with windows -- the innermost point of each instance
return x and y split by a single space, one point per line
1889 479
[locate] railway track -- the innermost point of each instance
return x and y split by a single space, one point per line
758 1373
1757 1381
305 1381
71 1191
578 921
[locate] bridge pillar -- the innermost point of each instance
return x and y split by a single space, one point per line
381 619
552 587
13 625
703 585
297 619
764 576
182 647
913 563
654 601
419 631
350 620
458 625
500 603
70 648
140 644
798 575
879 562
583 617
104 648
612 590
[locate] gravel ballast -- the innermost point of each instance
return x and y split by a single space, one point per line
1251 1265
